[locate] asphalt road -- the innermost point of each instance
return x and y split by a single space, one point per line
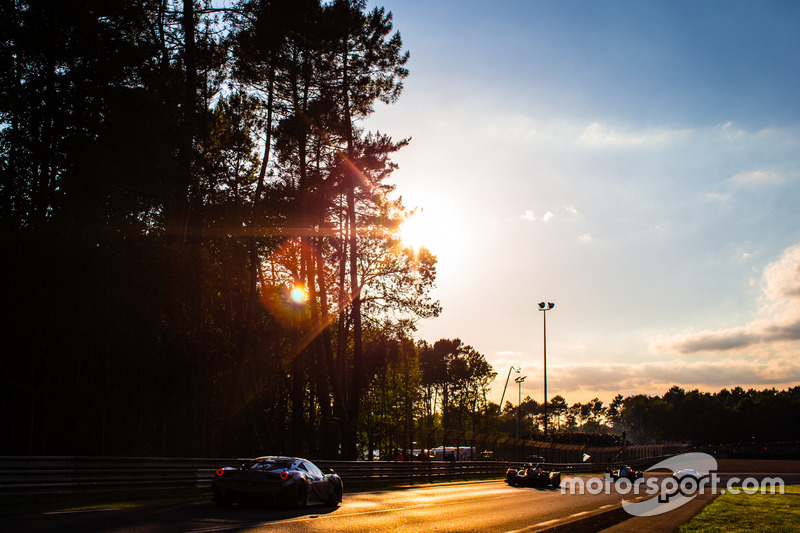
476 506
490 506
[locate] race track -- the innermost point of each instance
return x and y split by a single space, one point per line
489 506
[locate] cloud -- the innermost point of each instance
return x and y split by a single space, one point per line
600 134
757 178
782 278
571 210
529 215
731 131
583 381
718 197
728 339
586 237
778 318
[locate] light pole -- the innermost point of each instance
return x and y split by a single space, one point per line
519 381
544 307
517 370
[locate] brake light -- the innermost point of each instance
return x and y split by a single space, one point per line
220 471
284 474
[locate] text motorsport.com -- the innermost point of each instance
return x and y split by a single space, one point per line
693 474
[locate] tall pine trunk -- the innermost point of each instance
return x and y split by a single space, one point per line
355 289
182 202
255 219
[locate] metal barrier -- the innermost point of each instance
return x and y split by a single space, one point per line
75 475
66 475
361 473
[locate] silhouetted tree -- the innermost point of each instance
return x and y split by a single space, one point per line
558 406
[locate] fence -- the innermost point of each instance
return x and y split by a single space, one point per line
503 448
66 475
72 474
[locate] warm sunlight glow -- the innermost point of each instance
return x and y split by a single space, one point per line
415 232
299 294
440 228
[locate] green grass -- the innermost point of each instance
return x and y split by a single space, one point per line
749 512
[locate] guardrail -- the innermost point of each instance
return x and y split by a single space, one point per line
66 475
73 474
360 473
638 464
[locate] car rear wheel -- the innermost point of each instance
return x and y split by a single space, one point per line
336 495
300 497
221 498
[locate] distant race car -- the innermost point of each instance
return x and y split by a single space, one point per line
284 480
626 472
530 475
688 473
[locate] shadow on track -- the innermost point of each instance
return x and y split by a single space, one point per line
539 489
254 511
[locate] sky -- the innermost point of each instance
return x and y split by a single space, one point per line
636 163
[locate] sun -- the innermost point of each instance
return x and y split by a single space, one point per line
438 229
415 231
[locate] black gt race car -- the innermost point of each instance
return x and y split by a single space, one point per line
284 480
626 472
530 475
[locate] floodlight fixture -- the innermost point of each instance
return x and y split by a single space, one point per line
545 307
518 381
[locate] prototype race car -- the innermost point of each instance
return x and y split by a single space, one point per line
287 480
530 475
626 472
688 473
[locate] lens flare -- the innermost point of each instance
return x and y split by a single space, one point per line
299 294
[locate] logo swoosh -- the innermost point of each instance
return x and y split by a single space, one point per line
702 463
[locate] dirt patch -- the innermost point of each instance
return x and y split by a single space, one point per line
759 466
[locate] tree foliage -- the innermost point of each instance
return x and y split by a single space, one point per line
172 173
728 416
455 381
702 418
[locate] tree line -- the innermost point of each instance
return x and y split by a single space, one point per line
200 239
703 418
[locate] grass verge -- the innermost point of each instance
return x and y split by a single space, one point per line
749 512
